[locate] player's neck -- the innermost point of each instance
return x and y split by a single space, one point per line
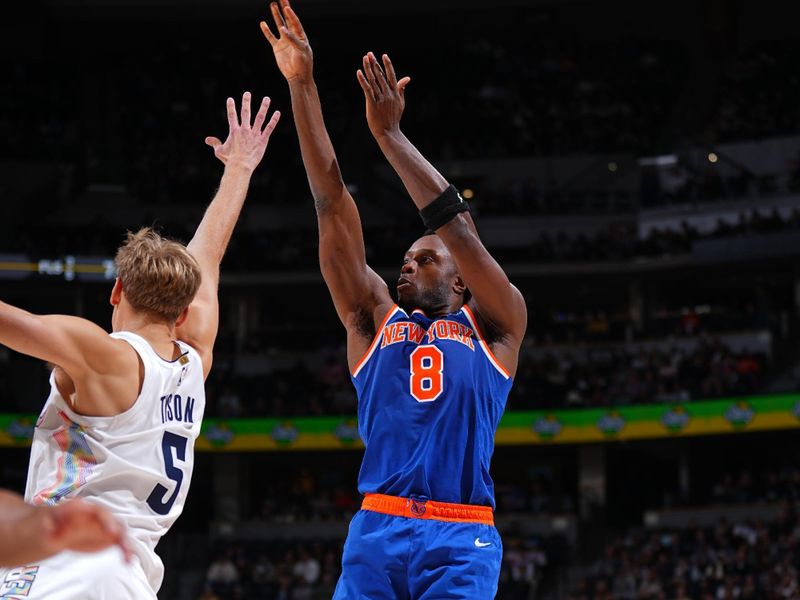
158 334
435 312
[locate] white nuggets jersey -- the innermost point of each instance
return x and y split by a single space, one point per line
137 464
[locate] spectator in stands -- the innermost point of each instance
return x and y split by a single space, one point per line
229 403
222 575
731 560
307 568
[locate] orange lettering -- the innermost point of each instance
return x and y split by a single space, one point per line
388 333
454 331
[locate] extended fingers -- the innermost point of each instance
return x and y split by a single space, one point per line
262 114
233 121
246 109
377 72
276 116
369 73
401 85
292 20
276 15
268 33
110 526
389 69
362 80
116 532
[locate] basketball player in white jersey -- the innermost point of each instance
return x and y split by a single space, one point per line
125 409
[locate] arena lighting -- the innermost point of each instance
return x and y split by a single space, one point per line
71 268
712 157
468 193
612 166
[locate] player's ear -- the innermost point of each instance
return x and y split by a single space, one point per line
116 293
459 286
182 317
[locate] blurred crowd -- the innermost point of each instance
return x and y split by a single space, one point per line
759 94
621 376
275 570
519 97
613 377
308 494
623 243
744 560
282 570
679 184
293 249
504 96
748 485
540 99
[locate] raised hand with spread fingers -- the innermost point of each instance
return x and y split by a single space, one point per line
360 296
384 94
495 301
246 142
241 152
292 50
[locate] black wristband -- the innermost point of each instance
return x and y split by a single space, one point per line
442 210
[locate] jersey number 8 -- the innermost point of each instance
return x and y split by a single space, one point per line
426 366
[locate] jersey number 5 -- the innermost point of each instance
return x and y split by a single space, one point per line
427 367
156 498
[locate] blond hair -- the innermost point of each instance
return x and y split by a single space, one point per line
158 275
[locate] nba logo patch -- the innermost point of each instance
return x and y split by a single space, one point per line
18 582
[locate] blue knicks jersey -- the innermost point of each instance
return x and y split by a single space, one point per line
430 397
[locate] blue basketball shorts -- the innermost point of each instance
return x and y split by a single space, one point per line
400 558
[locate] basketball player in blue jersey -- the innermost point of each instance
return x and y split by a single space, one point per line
432 372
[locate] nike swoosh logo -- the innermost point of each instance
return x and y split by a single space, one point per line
481 544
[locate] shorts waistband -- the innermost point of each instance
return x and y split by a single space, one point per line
415 508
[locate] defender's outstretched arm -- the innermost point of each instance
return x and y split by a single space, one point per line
495 299
32 533
359 294
241 153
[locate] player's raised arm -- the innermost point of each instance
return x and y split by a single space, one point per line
31 533
360 296
496 301
241 153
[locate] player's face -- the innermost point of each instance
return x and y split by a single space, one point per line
428 276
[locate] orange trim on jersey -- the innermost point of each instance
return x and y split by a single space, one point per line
483 344
375 340
428 509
